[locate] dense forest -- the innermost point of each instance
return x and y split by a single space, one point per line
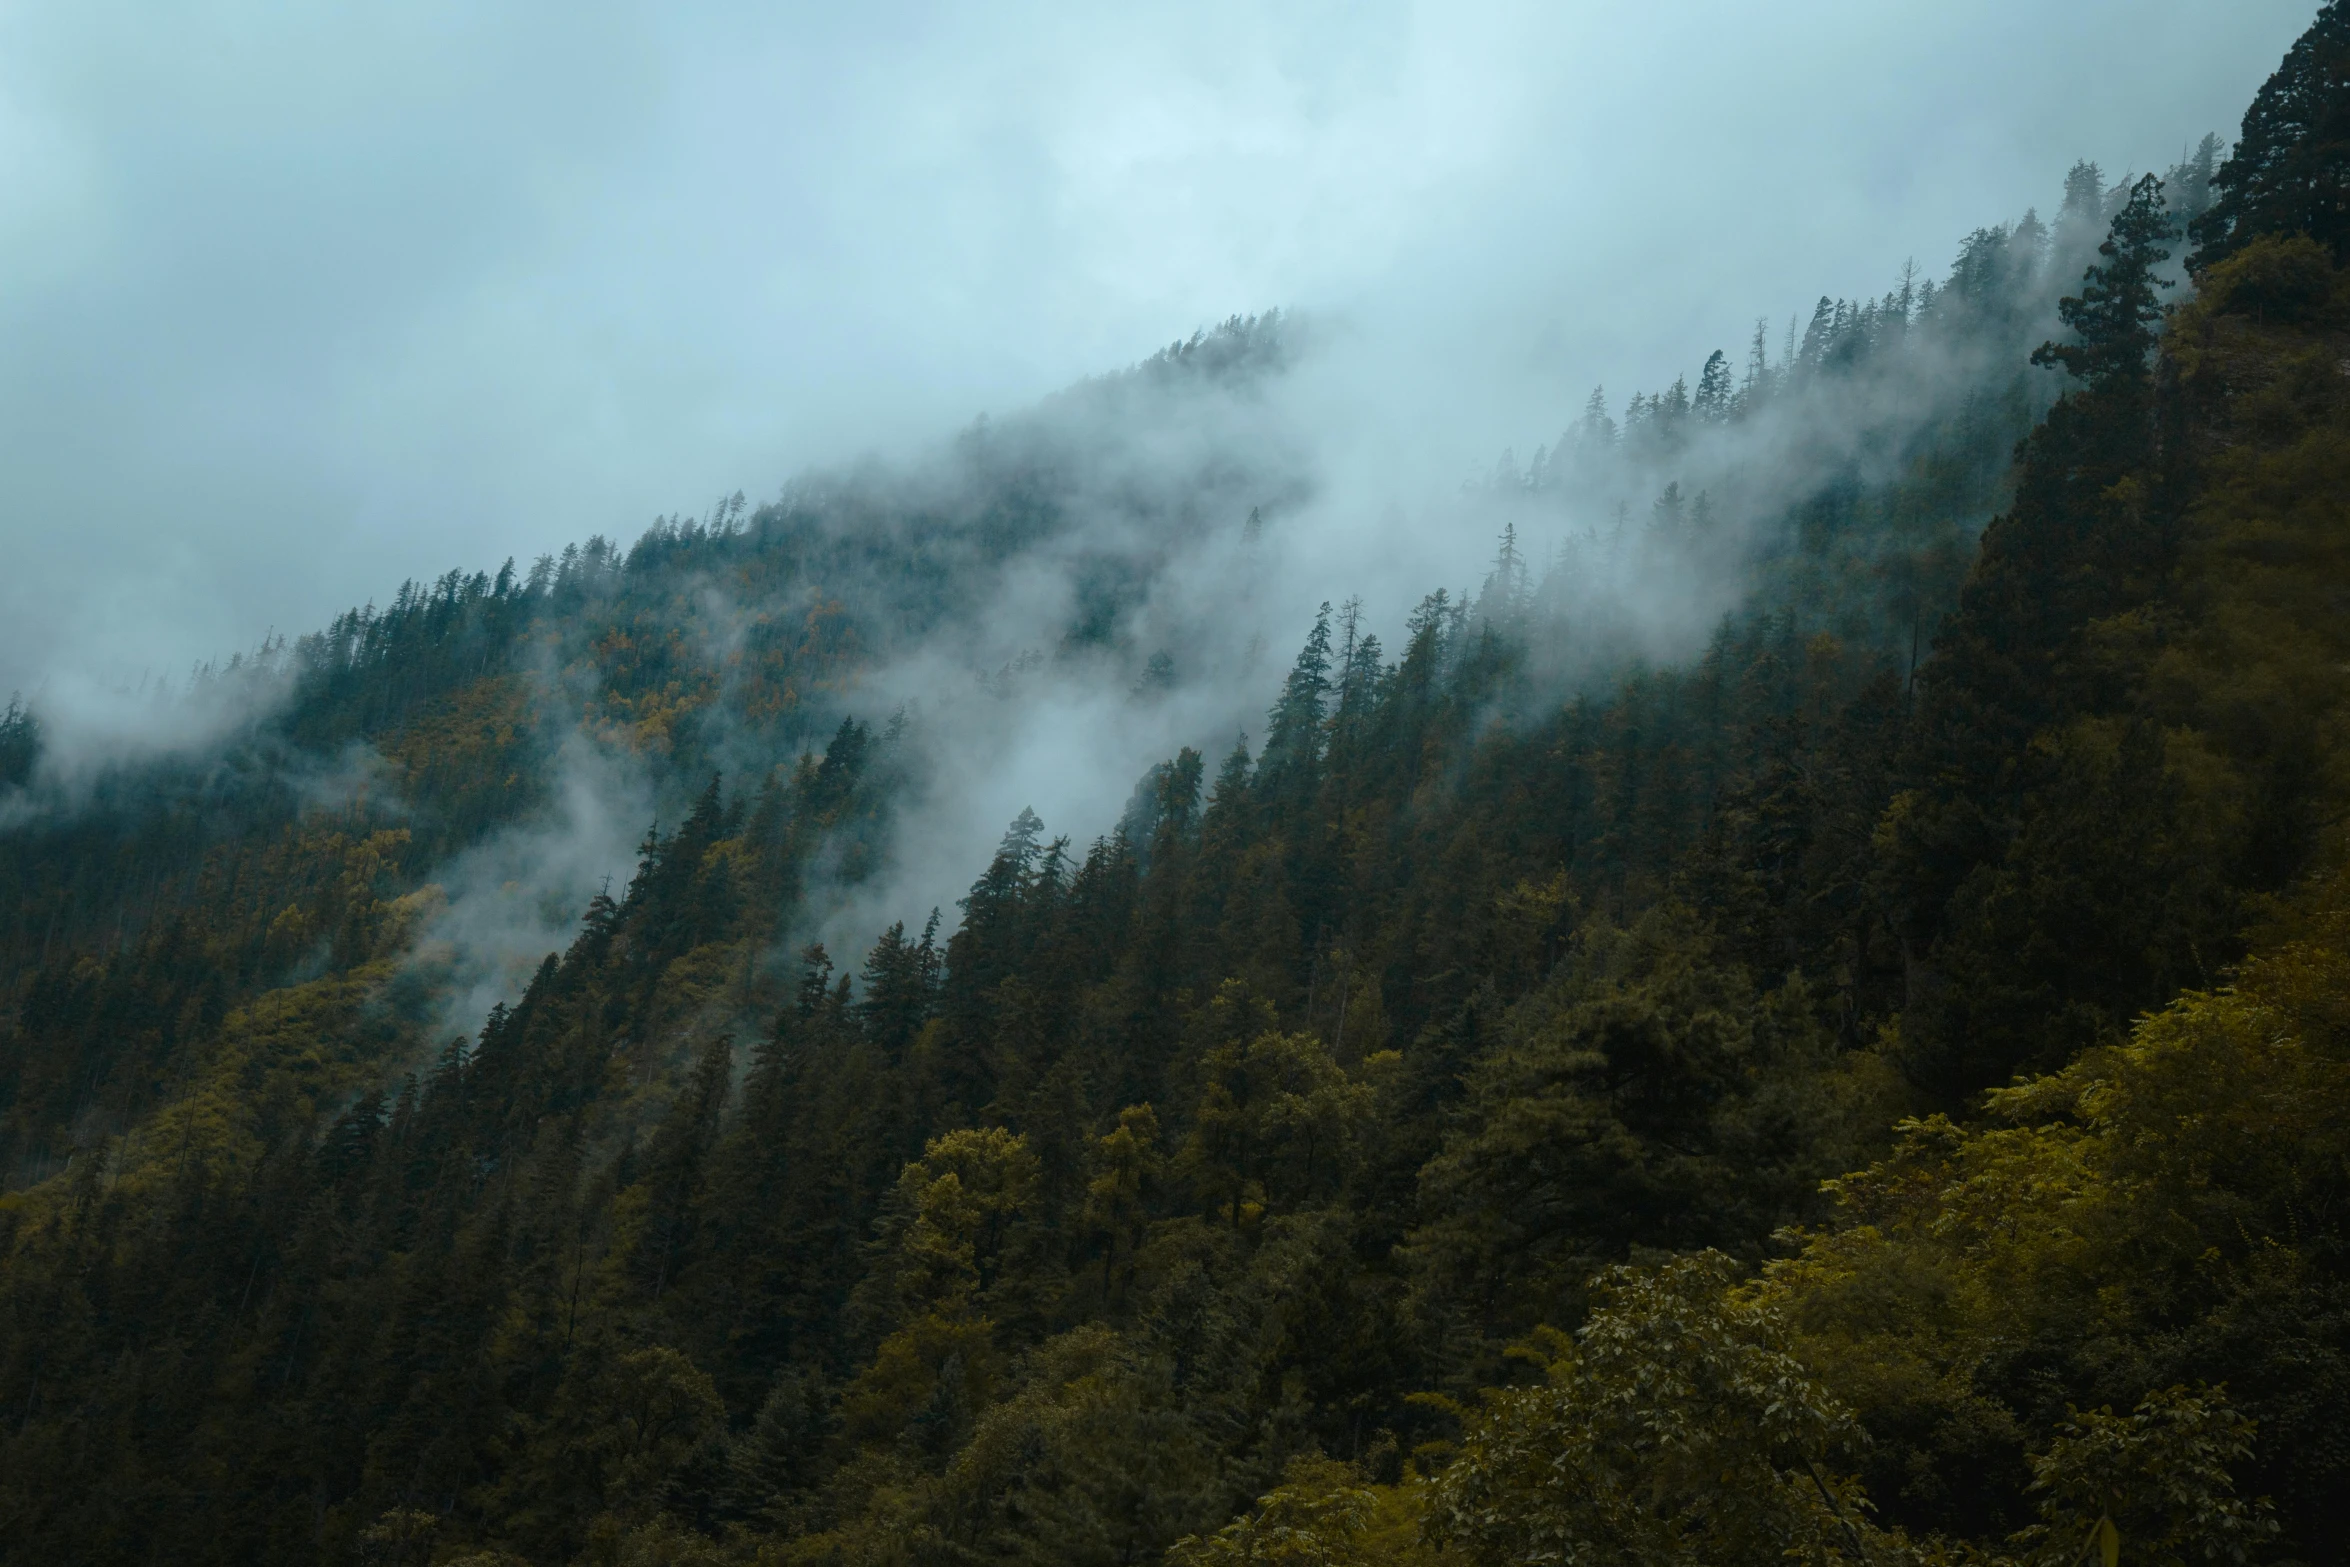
1866 1082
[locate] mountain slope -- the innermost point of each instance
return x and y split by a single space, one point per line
1231 1155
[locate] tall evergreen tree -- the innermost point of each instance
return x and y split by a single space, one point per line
1712 403
2114 315
2290 171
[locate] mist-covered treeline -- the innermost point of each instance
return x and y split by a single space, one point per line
1783 1022
466 715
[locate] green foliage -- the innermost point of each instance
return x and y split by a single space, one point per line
1770 1107
1676 1428
963 1197
2114 315
2155 1213
1322 1515
2154 1481
1642 1096
2290 170
2288 278
1274 1127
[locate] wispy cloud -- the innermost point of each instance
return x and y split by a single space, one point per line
295 304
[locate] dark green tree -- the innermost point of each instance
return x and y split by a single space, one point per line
2114 315
2290 171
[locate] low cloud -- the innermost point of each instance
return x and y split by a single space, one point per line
519 893
297 305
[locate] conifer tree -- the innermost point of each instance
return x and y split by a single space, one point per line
1758 365
1712 403
20 742
1293 730
2113 316
2290 171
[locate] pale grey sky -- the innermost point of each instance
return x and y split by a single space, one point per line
298 300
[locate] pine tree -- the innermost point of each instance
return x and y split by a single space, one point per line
1820 335
2290 172
1597 431
1667 516
1502 599
2188 185
1711 405
20 742
1671 412
1758 365
897 991
2082 213
2113 316
1293 731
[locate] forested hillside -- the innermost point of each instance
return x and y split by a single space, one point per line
1868 1082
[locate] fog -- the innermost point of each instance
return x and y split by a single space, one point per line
294 307
297 302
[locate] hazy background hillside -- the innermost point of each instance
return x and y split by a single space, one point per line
297 311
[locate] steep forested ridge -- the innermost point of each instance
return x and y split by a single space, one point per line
1874 1090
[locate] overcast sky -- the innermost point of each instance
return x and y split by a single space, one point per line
299 300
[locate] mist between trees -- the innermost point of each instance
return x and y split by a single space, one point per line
1041 611
439 1127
